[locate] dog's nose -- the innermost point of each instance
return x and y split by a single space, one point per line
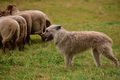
41 34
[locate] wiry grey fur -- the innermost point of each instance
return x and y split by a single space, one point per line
72 43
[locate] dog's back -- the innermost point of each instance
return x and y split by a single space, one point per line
75 42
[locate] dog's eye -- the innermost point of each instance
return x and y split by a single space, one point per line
46 30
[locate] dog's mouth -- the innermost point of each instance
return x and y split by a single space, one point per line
46 38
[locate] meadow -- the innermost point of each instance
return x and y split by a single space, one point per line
42 61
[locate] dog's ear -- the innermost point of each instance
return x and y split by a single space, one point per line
58 27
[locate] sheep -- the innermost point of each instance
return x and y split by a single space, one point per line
23 29
9 30
39 20
26 16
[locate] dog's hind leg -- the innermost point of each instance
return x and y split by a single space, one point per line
96 56
107 52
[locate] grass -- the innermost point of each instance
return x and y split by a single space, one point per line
41 61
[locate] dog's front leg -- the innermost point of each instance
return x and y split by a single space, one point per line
68 60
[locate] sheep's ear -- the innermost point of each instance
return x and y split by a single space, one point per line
9 7
58 27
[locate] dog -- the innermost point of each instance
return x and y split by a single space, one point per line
72 43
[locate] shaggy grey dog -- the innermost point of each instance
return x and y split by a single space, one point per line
72 43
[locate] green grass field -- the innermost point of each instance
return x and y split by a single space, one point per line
41 61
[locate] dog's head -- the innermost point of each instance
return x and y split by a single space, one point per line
48 35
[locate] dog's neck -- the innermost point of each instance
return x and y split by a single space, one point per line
59 36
